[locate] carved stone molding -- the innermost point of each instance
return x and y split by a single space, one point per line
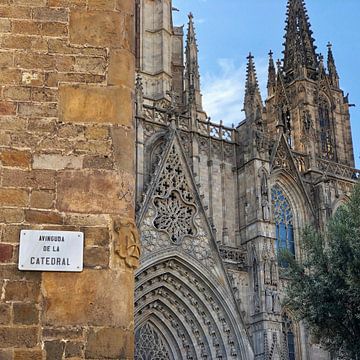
127 242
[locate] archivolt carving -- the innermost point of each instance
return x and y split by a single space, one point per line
191 310
127 242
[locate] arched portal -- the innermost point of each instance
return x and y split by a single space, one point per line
183 309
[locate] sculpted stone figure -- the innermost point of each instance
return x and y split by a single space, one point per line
127 242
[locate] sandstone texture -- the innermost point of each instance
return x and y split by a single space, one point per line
66 77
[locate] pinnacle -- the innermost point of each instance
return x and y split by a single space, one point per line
252 91
271 73
299 43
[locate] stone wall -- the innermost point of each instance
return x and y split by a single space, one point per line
67 163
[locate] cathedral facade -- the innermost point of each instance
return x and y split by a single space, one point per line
215 203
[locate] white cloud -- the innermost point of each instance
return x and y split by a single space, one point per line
223 91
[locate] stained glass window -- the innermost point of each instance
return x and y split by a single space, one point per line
283 218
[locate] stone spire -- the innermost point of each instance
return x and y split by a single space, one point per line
300 52
252 101
192 74
271 75
334 77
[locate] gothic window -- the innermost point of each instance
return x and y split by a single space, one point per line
326 139
283 217
289 336
150 344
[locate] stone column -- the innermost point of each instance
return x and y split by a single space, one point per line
67 163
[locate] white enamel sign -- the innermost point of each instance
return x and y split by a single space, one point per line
49 250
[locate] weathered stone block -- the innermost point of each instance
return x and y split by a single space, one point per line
97 133
96 257
101 4
86 104
109 343
18 337
10 76
6 252
28 355
96 28
74 349
63 332
7 108
57 162
17 93
35 61
125 6
110 192
54 349
14 197
6 354
48 14
96 236
43 217
99 293
123 144
5 314
90 65
98 162
54 29
11 233
17 12
121 68
22 291
38 179
11 215
37 110
25 314
42 199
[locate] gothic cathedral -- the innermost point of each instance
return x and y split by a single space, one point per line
214 203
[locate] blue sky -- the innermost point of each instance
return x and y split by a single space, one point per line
228 29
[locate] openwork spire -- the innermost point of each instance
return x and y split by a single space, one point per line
299 50
334 77
271 75
192 74
252 100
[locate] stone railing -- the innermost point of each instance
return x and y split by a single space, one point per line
205 128
217 131
233 256
337 169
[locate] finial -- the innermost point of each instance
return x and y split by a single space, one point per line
271 54
329 45
250 56
190 16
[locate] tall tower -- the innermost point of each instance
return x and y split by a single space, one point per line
306 102
154 47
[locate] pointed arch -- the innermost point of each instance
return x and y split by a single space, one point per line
191 307
298 202
343 200
326 127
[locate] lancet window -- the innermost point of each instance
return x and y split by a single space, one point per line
289 336
326 138
283 217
